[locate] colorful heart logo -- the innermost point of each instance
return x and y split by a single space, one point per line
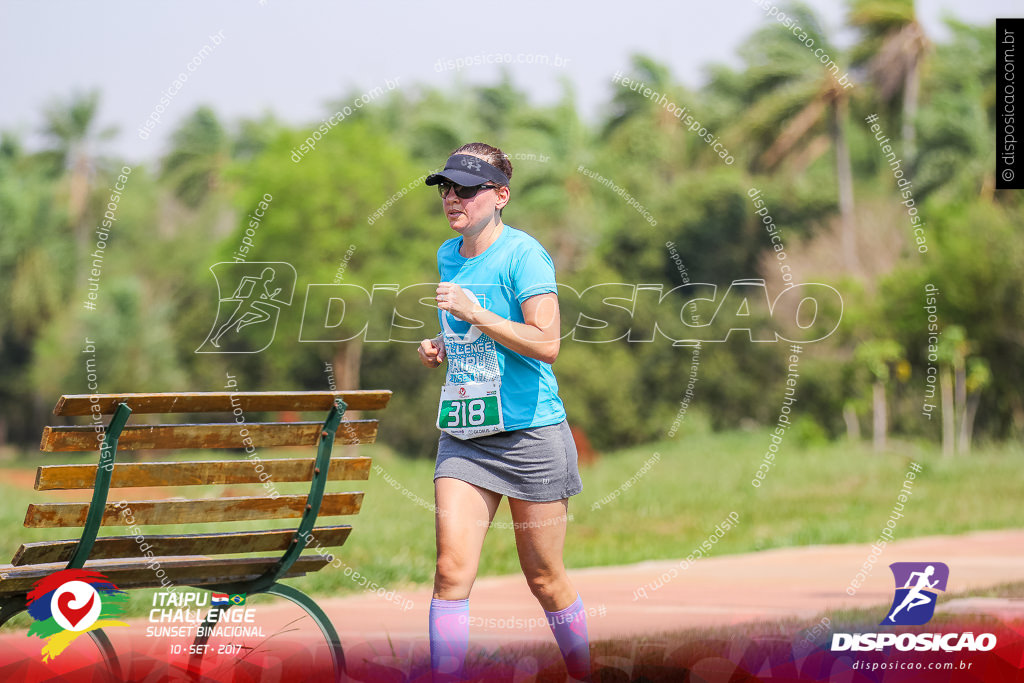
72 614
75 606
68 603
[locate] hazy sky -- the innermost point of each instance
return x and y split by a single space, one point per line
292 57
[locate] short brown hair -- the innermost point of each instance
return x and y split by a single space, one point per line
492 155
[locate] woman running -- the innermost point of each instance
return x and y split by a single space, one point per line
503 426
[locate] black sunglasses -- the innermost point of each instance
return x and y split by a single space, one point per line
462 191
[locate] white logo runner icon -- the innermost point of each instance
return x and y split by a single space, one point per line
474 332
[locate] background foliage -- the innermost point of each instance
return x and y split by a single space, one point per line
796 135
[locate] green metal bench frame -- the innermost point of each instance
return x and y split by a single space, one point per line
267 583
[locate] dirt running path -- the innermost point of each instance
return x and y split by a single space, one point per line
788 582
728 590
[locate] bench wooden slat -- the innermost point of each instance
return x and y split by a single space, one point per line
62 477
220 401
210 435
181 571
185 544
42 515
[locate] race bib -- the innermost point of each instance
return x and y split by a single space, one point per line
469 410
470 403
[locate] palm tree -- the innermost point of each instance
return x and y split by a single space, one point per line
629 103
954 125
37 265
201 150
791 107
879 356
71 127
648 133
952 354
254 135
893 45
978 376
962 379
550 192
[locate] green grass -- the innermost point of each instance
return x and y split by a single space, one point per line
830 493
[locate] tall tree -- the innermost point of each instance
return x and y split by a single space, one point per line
956 119
200 152
36 260
71 127
893 45
978 376
327 204
794 108
879 356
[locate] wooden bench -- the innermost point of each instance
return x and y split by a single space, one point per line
191 559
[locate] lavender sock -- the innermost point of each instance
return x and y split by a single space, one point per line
449 638
569 627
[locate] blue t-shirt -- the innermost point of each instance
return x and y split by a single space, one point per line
510 271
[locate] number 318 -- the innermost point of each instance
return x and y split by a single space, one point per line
467 412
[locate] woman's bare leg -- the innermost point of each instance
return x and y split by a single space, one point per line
463 515
540 537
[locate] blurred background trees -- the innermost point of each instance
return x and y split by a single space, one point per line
796 134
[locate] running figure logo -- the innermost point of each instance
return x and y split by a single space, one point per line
262 289
916 586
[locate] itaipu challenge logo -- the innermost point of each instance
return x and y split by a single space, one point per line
71 602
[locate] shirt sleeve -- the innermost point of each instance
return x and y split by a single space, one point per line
440 279
533 273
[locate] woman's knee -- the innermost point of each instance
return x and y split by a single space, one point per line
452 571
545 582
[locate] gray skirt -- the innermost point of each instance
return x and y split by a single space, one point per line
537 464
